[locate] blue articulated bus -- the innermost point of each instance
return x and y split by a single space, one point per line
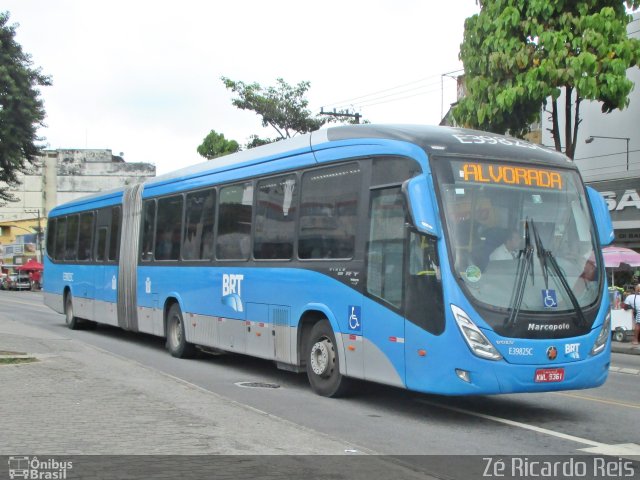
434 259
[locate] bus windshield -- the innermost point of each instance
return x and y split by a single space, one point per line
520 235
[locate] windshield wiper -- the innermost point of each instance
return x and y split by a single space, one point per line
546 258
525 267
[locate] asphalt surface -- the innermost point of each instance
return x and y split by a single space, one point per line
377 419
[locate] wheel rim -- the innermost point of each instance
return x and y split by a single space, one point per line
69 316
176 332
322 357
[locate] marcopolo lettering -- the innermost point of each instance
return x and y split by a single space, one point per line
536 327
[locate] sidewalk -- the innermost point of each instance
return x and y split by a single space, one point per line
625 347
78 399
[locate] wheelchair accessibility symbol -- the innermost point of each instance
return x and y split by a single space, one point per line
549 299
354 318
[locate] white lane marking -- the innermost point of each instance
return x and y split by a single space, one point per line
526 426
627 450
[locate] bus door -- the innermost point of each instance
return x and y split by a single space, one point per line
423 304
383 324
106 271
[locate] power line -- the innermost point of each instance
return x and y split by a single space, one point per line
348 101
398 98
396 94
606 155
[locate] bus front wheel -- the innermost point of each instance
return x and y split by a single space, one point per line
176 340
70 319
323 363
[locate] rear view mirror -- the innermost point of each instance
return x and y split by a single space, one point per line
601 216
422 206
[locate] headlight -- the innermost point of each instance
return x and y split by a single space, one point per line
603 336
477 342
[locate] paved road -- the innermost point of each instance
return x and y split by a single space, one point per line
380 419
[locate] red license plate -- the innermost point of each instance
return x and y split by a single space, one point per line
549 375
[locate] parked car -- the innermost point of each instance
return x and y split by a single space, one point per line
8 281
23 282
16 281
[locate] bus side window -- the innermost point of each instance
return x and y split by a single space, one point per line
385 250
234 222
148 228
197 241
114 238
61 232
71 243
85 237
169 228
101 244
51 238
276 204
328 212
424 301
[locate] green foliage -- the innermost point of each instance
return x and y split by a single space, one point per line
282 107
518 53
21 109
256 141
215 145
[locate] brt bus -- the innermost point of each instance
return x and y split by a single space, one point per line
362 252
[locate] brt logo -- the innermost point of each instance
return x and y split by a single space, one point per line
232 291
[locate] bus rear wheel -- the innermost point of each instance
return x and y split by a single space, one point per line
323 363
176 340
73 322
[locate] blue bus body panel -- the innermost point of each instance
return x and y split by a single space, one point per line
296 288
249 171
101 200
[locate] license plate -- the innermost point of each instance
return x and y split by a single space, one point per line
549 375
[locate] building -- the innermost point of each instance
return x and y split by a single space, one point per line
59 176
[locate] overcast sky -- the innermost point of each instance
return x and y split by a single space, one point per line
137 77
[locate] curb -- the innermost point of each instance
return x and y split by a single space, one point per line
625 347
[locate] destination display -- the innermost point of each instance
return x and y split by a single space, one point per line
510 175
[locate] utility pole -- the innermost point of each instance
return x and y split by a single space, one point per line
340 114
38 235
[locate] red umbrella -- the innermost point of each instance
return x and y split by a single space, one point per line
31 265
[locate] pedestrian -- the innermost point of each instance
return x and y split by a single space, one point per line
633 302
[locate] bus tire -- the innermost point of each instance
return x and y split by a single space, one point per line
323 362
176 340
73 322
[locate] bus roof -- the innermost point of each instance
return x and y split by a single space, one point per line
432 139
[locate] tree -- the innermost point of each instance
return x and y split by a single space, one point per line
517 54
21 109
282 107
215 145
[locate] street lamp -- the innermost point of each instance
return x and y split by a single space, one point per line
593 137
